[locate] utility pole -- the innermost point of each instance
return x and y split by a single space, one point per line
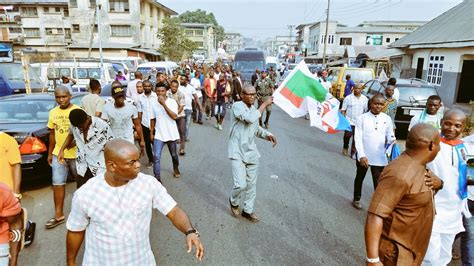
290 27
99 36
326 34
92 33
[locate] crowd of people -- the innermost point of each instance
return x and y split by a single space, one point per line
420 205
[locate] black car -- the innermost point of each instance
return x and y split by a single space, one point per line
413 96
25 117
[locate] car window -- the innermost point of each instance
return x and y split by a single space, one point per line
14 72
25 110
359 75
335 74
410 94
77 100
112 73
367 86
376 88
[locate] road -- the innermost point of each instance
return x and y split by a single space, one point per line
306 213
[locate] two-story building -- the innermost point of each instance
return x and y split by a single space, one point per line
203 35
233 42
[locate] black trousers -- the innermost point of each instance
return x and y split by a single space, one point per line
360 175
81 180
148 143
347 137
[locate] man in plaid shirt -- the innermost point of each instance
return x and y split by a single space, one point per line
114 209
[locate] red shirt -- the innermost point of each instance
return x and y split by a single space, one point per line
9 206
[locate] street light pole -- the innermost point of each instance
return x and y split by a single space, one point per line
326 34
99 37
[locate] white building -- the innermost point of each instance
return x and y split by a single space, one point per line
204 36
442 53
233 42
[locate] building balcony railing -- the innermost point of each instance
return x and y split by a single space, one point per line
7 19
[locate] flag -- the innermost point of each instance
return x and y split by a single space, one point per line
301 93
293 92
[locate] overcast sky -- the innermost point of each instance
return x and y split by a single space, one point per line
266 18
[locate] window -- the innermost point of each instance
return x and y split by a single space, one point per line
53 31
75 28
57 9
119 6
32 32
200 44
387 40
66 12
331 39
396 39
151 10
29 11
67 33
46 9
73 3
14 30
345 41
120 30
96 28
199 32
323 39
49 31
92 3
435 69
189 32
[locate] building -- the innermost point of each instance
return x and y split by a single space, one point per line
302 36
204 36
233 42
442 53
281 45
401 25
42 25
127 28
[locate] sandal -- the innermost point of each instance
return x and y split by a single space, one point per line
53 222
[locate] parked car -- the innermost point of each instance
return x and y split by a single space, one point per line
414 94
12 80
338 74
106 93
25 117
150 69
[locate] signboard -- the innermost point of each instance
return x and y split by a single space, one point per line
374 39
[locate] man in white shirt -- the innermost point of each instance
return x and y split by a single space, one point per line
144 113
113 213
373 130
190 94
325 82
431 115
132 85
353 106
92 103
196 83
451 201
164 130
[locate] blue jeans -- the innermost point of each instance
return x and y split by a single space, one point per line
467 238
187 117
157 149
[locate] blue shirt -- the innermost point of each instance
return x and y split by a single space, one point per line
349 85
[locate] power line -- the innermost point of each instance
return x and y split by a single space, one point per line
365 13
374 5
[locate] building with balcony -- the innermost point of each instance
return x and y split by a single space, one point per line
233 42
204 36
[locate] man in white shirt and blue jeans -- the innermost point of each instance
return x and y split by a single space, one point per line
190 94
373 131
353 106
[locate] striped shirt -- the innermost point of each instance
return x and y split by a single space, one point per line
117 219
354 107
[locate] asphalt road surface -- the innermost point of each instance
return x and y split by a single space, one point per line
304 195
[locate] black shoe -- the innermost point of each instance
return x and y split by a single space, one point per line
30 233
356 204
176 173
251 217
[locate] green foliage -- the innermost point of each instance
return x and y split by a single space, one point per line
201 16
174 44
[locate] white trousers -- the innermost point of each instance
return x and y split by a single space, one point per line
439 250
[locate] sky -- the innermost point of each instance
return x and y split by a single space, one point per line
261 19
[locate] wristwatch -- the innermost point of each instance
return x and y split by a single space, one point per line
374 260
192 231
18 196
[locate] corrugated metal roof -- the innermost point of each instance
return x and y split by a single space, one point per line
34 2
371 30
105 45
453 26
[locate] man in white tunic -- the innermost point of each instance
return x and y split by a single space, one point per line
113 211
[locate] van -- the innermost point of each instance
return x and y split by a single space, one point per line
81 71
131 62
12 80
247 61
338 74
152 68
272 61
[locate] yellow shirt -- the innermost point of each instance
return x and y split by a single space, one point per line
59 121
9 155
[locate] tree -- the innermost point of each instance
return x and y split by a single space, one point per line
201 16
174 44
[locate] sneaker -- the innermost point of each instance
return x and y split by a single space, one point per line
220 127
234 209
200 122
356 204
30 233
217 126
207 117
251 217
345 152
176 173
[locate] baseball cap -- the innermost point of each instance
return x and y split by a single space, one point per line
118 91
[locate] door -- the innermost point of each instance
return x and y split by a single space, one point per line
419 68
465 89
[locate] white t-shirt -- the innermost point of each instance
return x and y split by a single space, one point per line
121 120
423 117
144 107
165 127
117 219
196 83
189 91
132 88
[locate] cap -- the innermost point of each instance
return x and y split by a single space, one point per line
118 91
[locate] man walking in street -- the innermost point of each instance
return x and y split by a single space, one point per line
431 115
196 83
350 85
391 103
92 103
353 106
451 202
58 124
126 197
243 151
163 130
265 90
401 212
219 95
178 96
209 86
373 131
122 116
190 94
147 99
236 87
90 134
132 85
